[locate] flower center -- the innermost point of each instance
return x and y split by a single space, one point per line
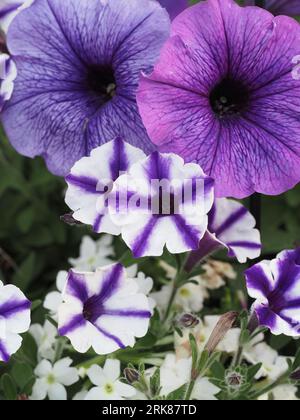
229 98
51 379
109 389
92 309
101 80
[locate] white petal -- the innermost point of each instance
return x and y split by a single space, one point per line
57 392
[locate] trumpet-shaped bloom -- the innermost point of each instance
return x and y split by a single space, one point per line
223 94
91 180
103 310
79 64
174 7
14 320
276 287
8 74
162 202
279 7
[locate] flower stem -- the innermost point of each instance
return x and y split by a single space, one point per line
190 390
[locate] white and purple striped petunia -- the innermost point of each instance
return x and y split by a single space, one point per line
166 204
9 9
232 226
276 287
8 74
91 180
103 310
14 320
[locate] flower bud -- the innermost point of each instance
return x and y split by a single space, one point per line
188 321
221 329
131 375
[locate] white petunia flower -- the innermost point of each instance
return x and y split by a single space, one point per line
93 254
103 310
202 333
55 298
45 338
52 379
282 393
14 320
108 386
273 365
174 373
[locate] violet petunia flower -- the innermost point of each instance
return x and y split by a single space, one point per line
174 7
279 7
103 310
230 226
8 74
91 179
14 320
276 287
79 64
223 94
163 202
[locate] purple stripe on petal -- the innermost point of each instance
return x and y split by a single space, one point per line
158 167
3 353
75 323
187 232
127 313
119 162
76 285
97 223
6 10
244 244
231 220
266 317
257 280
110 284
141 242
111 337
13 307
85 183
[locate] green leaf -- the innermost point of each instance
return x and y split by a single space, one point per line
252 371
24 276
22 374
178 394
9 387
155 382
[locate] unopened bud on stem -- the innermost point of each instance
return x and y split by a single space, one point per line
221 329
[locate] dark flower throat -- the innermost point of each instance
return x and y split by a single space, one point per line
101 81
229 98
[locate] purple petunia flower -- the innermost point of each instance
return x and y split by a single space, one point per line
14 320
162 202
103 310
174 7
276 287
8 74
222 94
78 65
279 7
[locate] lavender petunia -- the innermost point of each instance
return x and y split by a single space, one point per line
231 226
78 64
103 310
165 203
14 320
279 7
8 74
91 179
174 7
222 94
276 287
